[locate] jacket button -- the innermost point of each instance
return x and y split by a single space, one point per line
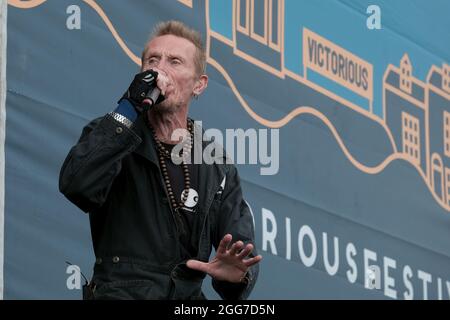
119 130
174 274
115 259
98 260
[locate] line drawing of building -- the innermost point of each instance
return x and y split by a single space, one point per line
438 98
418 114
406 113
410 105
264 51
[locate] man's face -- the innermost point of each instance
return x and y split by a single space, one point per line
173 58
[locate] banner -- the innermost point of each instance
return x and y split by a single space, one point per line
344 107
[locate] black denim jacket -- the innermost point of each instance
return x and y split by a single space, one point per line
113 174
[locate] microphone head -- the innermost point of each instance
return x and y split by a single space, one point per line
153 95
150 98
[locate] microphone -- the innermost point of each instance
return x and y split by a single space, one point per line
150 98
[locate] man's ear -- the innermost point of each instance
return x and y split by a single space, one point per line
201 85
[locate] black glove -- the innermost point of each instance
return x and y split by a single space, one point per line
142 84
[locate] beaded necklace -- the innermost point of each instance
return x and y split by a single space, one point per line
165 154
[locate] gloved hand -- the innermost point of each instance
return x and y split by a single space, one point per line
142 84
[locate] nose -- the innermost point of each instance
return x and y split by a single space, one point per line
159 69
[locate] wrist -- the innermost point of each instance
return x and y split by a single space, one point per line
126 109
245 279
121 119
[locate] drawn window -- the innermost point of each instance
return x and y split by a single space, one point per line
261 20
242 14
411 137
437 173
446 78
275 21
405 75
447 133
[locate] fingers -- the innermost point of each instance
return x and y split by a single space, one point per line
238 250
246 251
197 265
223 245
252 261
237 246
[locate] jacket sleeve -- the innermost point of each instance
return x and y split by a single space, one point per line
234 217
95 161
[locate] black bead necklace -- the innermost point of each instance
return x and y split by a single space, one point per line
165 154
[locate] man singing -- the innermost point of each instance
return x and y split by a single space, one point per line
153 221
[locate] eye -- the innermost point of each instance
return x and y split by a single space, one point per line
152 60
176 61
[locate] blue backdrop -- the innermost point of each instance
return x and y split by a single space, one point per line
364 173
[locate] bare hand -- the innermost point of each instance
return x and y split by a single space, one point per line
228 264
